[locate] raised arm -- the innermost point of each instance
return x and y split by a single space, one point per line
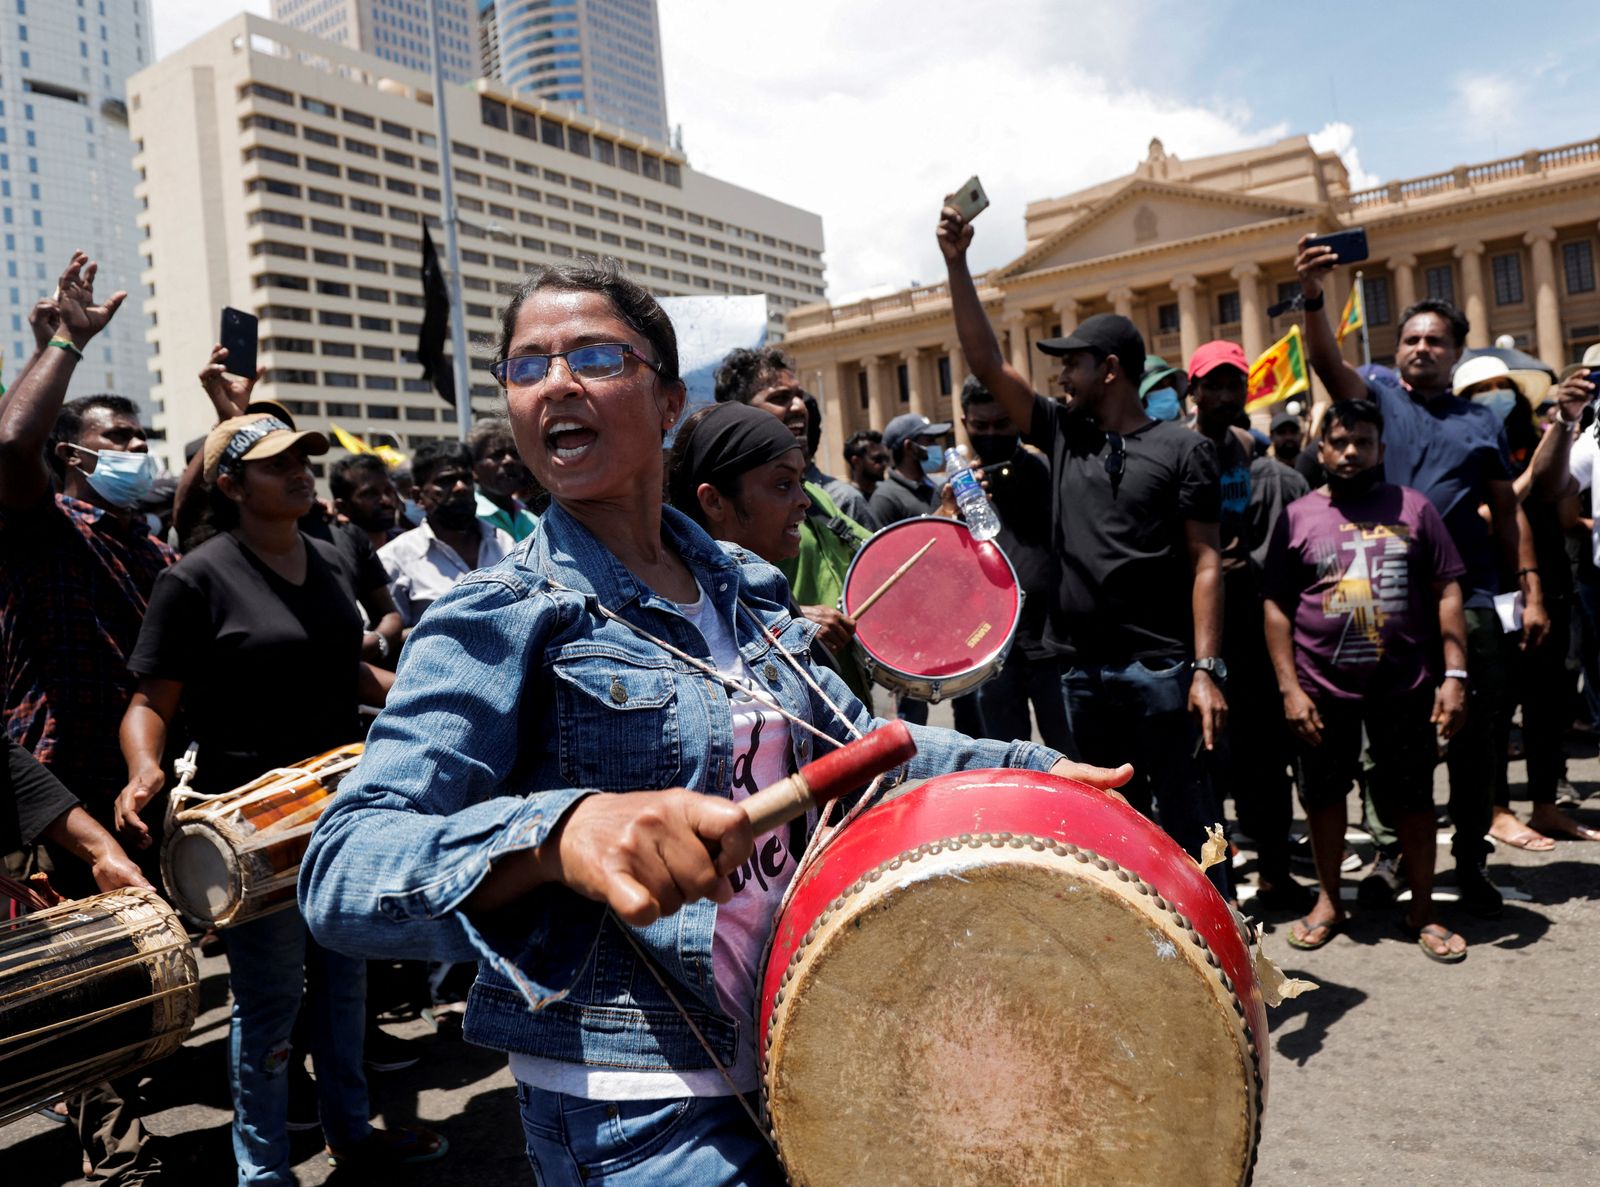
978 343
29 413
1338 376
229 396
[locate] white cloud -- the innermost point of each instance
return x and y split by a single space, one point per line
1341 138
178 22
869 113
1490 99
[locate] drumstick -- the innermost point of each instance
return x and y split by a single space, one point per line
893 577
825 779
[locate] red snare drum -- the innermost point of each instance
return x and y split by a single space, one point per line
945 627
1010 978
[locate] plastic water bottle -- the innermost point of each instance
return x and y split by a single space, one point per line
973 503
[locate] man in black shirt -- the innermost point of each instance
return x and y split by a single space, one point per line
867 459
1020 488
1137 620
913 445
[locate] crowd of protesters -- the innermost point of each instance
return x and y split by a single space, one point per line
1244 610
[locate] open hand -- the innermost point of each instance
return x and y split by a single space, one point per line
230 394
131 800
81 318
1107 779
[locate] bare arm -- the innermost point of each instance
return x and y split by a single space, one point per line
44 319
1322 348
373 685
1299 710
978 342
82 836
1535 618
229 396
144 738
1547 478
1206 701
381 612
1450 701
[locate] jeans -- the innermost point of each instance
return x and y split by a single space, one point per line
272 963
696 1141
1003 703
1140 714
1473 755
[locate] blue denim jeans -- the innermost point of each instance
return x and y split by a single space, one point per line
1140 714
1003 703
697 1141
270 962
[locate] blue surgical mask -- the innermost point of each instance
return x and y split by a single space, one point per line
932 459
1500 402
1163 404
119 477
413 512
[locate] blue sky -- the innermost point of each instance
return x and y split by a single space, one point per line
868 111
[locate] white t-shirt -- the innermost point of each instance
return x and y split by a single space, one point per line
760 758
1581 467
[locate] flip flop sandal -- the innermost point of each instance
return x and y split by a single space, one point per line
1527 839
1329 929
1439 932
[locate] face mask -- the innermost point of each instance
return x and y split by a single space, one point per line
994 447
932 459
1163 404
455 514
413 511
119 477
1356 485
1499 402
154 524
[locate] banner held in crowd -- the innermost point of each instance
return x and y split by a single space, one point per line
1279 373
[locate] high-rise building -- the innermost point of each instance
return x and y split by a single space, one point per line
292 178
66 168
395 30
603 56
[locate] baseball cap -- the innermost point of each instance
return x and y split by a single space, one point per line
271 408
1591 359
1480 369
1157 373
1284 418
908 425
1107 333
1208 356
251 438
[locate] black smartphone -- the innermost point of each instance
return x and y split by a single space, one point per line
239 336
970 200
1350 246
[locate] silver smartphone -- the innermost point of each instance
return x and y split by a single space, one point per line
970 200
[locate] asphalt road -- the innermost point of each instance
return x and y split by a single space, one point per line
1398 1071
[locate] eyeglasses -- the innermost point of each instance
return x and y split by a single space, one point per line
1116 460
603 360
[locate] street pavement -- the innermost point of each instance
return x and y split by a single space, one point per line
1397 1071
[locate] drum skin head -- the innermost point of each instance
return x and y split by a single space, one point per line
1007 1008
207 872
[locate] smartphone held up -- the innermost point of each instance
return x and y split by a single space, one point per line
969 200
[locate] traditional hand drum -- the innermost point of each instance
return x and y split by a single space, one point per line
1010 978
236 856
945 627
89 990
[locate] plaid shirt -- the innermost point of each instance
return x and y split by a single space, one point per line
74 584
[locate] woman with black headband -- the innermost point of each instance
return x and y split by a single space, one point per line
256 638
552 790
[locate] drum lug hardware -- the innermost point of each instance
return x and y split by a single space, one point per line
936 692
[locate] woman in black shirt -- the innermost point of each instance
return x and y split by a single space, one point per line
255 636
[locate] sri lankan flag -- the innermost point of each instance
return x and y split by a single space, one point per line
1354 316
348 441
1279 373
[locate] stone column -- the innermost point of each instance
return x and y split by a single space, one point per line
1470 253
1403 268
1066 311
922 396
1186 286
1121 301
1252 326
882 400
1546 306
958 376
1017 343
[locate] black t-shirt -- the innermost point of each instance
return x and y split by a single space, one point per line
1309 466
30 798
269 669
1125 580
1021 491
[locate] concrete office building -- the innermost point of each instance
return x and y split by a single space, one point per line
397 31
1201 249
66 162
602 56
291 178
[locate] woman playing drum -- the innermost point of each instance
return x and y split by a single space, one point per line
552 789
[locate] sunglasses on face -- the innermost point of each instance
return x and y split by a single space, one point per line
603 360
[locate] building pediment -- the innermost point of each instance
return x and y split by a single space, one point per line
1146 213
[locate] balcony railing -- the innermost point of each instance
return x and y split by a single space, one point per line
925 296
1533 163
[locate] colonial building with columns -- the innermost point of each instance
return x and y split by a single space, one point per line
1198 249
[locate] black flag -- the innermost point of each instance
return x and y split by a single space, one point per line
436 368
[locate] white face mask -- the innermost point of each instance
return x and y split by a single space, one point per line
1500 402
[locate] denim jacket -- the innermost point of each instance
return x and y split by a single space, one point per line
515 698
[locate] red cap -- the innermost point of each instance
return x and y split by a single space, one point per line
1211 355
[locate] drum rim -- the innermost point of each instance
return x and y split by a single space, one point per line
1000 652
216 835
1243 1032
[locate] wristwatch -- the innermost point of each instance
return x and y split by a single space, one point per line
1213 666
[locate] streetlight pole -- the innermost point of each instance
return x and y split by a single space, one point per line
452 251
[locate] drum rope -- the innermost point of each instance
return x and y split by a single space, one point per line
281 779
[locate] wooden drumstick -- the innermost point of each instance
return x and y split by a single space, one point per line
825 779
889 583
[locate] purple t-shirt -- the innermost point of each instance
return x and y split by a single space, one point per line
1356 577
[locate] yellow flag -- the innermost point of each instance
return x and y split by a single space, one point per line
391 456
1279 373
1354 316
348 441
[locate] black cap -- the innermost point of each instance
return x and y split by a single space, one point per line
1285 418
1107 333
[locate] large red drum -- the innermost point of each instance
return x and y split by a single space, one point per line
1004 977
946 626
